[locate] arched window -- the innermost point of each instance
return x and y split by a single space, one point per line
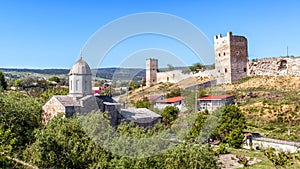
225 70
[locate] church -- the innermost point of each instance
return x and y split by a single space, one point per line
81 100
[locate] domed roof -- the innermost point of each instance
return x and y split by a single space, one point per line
80 68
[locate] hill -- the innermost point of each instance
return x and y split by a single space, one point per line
270 103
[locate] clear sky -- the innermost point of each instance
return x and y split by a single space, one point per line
50 34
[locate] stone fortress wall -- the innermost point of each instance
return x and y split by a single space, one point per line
231 64
275 66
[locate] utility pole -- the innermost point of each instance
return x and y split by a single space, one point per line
196 99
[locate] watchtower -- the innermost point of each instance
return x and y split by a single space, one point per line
231 57
151 71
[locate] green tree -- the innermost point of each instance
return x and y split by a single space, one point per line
63 143
175 92
46 95
3 83
196 67
145 103
21 115
54 78
133 85
169 115
198 125
235 138
232 119
170 67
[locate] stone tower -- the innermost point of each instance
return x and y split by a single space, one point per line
80 80
151 71
231 57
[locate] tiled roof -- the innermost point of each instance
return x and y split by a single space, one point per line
171 100
67 101
217 97
141 115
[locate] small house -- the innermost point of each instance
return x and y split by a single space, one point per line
212 102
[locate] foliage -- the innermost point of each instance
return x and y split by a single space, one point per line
196 67
7 142
232 119
133 85
145 103
54 78
174 93
221 149
3 84
21 115
198 125
235 138
63 144
46 95
279 158
202 93
169 115
170 67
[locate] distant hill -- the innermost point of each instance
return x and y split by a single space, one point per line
105 73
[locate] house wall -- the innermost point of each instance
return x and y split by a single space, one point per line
164 105
212 105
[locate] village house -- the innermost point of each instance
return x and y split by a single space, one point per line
174 101
212 102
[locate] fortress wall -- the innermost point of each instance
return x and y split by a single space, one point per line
275 67
173 76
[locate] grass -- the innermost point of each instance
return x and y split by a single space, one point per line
264 164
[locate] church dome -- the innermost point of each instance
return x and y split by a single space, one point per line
80 68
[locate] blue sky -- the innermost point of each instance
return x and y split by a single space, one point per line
50 34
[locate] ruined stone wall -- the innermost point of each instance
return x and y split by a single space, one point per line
173 76
275 66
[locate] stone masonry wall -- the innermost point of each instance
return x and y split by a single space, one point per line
275 66
50 109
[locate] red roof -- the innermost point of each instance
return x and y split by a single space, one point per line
217 97
171 100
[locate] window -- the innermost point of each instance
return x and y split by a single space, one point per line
76 85
224 53
219 54
85 85
71 85
225 70
245 69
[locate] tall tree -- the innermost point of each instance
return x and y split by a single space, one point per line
3 83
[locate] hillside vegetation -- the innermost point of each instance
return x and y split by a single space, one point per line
271 103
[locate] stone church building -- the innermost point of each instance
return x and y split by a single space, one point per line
81 100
